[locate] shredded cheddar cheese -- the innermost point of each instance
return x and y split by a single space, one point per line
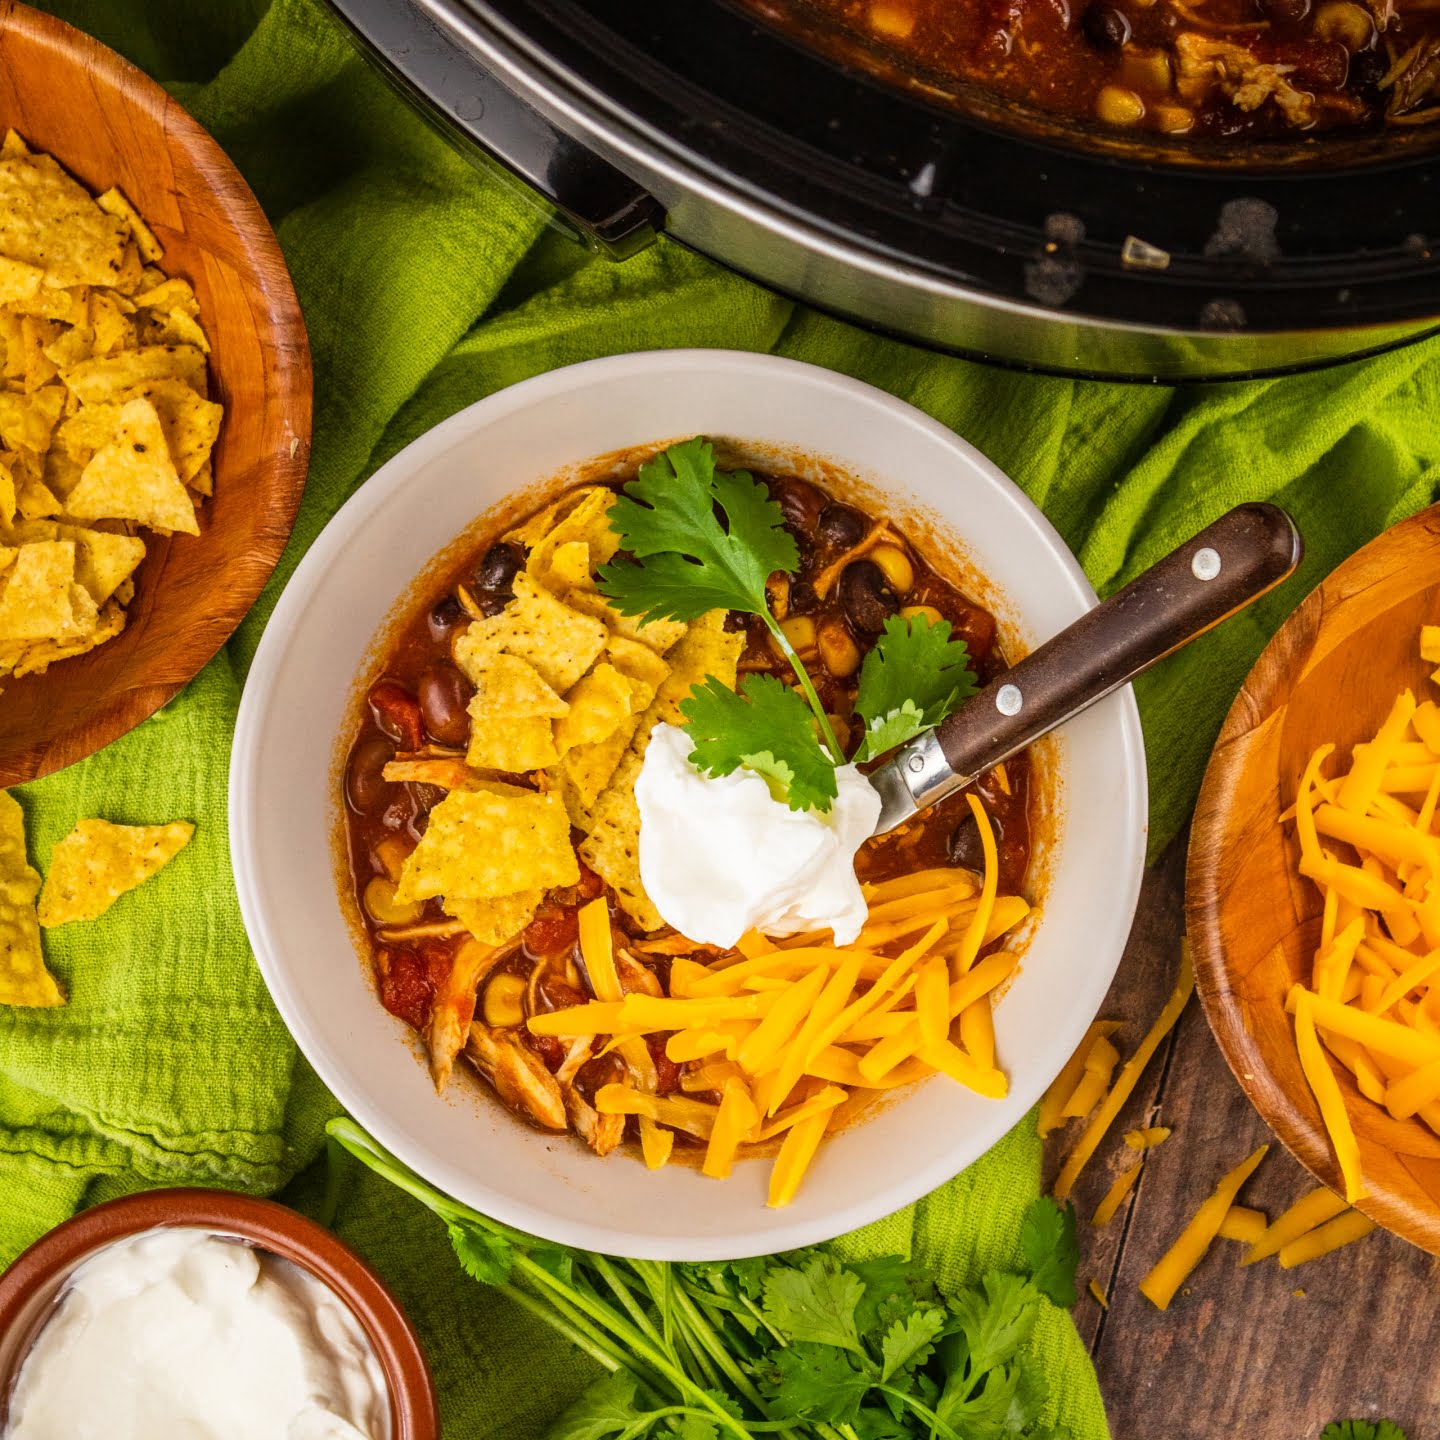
1342 1230
1099 1295
1128 1078
1304 1215
1148 1138
1243 1224
1063 1086
795 1035
1100 1066
1174 1268
1115 1196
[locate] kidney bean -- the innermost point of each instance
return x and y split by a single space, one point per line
866 596
598 1071
667 1072
365 786
1318 64
444 693
964 848
547 1047
397 713
552 933
800 503
554 993
840 527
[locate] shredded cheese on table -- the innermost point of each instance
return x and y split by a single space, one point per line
1304 1215
1174 1268
1243 1224
1063 1086
1148 1138
1128 1078
1115 1195
1342 1230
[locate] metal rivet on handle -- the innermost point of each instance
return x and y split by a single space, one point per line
916 763
1206 564
1008 699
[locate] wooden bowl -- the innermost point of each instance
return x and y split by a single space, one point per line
108 124
1330 674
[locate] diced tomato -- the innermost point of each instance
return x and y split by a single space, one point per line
552 932
397 713
406 989
590 883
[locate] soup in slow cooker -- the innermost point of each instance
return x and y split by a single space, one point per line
1217 69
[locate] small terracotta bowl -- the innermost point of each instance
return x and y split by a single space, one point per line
31 1286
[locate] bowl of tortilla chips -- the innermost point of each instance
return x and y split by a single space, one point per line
154 396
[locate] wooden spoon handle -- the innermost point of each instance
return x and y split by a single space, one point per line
1246 552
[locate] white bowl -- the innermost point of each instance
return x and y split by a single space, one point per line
299 697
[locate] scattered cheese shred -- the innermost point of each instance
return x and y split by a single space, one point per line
1352 1225
1323 1085
1243 1224
1175 1266
1099 1295
1148 1138
1304 1215
1063 1086
797 1150
1100 1066
1128 1078
1115 1195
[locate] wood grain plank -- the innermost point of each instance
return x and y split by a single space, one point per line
1239 1352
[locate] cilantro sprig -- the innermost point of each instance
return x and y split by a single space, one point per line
695 538
803 1346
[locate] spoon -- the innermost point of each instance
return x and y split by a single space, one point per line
1245 553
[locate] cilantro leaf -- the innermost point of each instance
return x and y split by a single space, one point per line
767 728
483 1255
996 1317
696 1427
686 562
813 1380
1362 1430
816 1302
912 679
980 1409
608 1407
1047 1236
876 1424
893 1288
911 1341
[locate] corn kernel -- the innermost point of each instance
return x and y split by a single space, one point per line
1118 106
384 909
502 1001
895 565
840 654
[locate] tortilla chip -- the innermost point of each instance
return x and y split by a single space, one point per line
493 922
510 716
113 202
585 771
48 303
203 481
7 495
13 145
24 980
599 704
36 501
114 330
49 220
659 636
35 601
168 294
18 281
97 862
480 844
566 555
103 562
71 346
445 773
190 422
109 378
174 327
514 746
612 848
37 657
538 628
26 421
637 661
133 478
708 649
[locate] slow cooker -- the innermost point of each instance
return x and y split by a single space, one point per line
943 224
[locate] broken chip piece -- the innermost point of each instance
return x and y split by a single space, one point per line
98 862
24 980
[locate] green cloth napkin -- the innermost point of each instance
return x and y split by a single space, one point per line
427 285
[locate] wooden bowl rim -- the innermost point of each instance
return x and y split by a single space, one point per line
1302 1134
263 257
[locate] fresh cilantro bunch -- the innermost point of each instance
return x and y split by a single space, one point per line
693 539
1362 1430
802 1346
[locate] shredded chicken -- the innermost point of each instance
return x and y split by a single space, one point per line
454 1006
519 1076
1207 64
447 774
1414 81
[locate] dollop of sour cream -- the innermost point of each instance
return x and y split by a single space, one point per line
720 856
188 1335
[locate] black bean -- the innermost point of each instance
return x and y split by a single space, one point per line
444 695
446 615
499 567
1367 69
841 527
964 847
866 596
365 786
1106 27
1285 12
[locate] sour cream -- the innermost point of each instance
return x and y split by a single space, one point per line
188 1335
723 856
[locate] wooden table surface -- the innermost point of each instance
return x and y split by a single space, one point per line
1255 1354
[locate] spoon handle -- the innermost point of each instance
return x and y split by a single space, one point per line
1245 553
